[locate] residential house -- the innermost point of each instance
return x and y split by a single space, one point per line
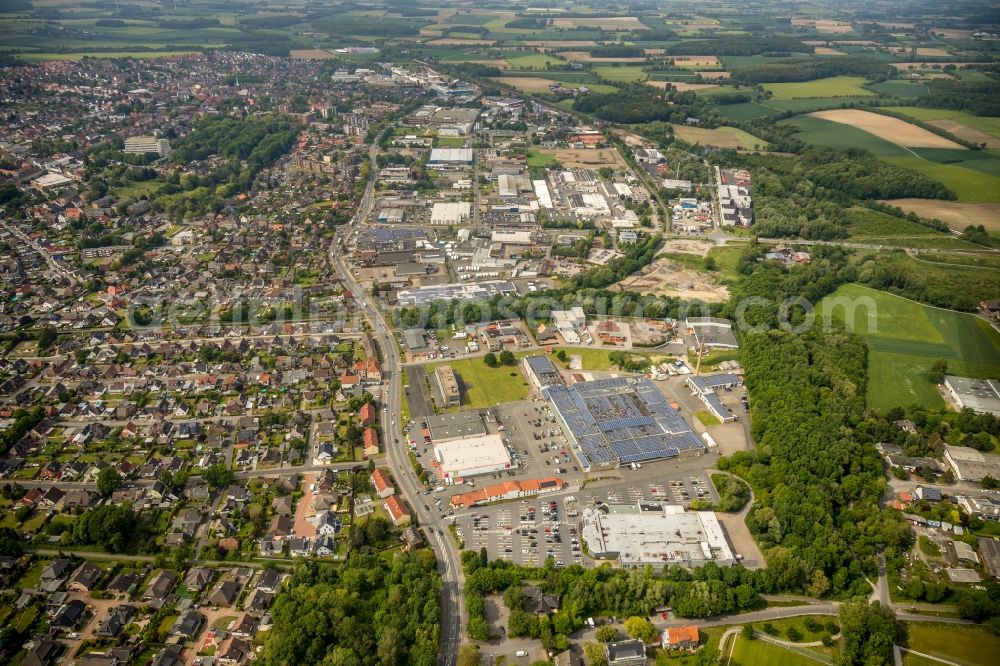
367 414
118 618
370 443
626 653
270 580
84 578
198 579
328 523
188 624
56 569
225 593
398 513
69 614
159 587
383 485
680 638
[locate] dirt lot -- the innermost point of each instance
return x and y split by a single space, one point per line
499 64
682 246
569 42
826 50
966 132
665 277
891 129
531 84
588 158
956 215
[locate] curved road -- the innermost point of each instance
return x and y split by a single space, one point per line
449 562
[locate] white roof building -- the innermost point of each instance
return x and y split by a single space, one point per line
472 456
455 212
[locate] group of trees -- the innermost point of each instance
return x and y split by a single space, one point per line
638 103
113 527
810 69
365 611
506 358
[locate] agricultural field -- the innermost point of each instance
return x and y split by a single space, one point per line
968 184
980 129
871 226
900 89
888 128
905 338
834 86
956 215
722 137
535 61
621 74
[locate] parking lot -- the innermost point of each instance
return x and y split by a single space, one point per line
528 532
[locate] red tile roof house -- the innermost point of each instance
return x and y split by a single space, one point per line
398 512
680 638
383 486
367 414
370 443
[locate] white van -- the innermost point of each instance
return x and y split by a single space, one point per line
521 653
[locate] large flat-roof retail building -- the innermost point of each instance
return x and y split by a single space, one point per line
979 395
447 427
542 372
472 456
656 534
621 420
712 332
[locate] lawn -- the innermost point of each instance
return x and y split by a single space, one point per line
707 418
761 652
483 386
968 645
623 74
537 158
904 338
834 86
449 141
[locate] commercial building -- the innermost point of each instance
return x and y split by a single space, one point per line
448 427
541 372
970 464
989 553
508 490
542 193
140 145
448 386
454 212
620 421
712 332
660 535
478 291
449 157
705 388
980 395
570 323
472 456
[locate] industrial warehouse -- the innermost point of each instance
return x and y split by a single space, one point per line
620 421
657 534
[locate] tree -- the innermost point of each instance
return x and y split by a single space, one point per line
108 481
110 526
507 358
938 369
607 633
595 655
490 359
641 628
868 633
217 475
711 264
468 655
46 336
747 632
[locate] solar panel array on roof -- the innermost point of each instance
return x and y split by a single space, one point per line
623 420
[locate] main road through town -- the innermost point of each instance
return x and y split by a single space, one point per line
449 561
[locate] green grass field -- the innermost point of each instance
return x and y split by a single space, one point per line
982 123
484 386
535 61
623 74
834 86
900 89
905 337
875 227
966 645
968 184
748 140
760 652
537 158
744 110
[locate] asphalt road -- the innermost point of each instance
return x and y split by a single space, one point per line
449 563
